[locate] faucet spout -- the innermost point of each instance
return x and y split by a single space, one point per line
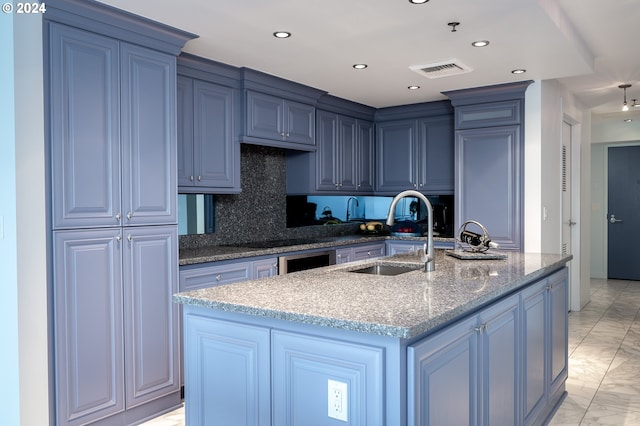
429 258
357 204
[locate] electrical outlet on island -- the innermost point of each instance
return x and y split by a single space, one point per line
337 400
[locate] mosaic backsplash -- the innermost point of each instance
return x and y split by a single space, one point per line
258 213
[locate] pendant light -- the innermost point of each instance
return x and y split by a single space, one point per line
624 87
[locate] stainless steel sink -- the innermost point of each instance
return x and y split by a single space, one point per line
380 269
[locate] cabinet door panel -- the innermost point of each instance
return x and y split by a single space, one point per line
265 268
302 366
500 352
365 163
88 326
558 308
148 136
264 116
207 276
214 148
534 349
488 182
151 317
327 151
186 173
234 354
368 251
437 154
300 126
396 156
442 377
346 163
85 128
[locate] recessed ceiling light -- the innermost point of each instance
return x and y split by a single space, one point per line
418 1
480 43
360 66
413 87
282 34
519 71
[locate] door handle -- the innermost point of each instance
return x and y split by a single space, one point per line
613 219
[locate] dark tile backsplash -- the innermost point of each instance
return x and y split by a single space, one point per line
258 213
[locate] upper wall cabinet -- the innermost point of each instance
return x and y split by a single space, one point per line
415 154
278 112
489 158
279 120
112 131
344 156
208 153
343 160
208 126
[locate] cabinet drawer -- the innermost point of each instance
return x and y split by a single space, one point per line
488 114
193 279
368 251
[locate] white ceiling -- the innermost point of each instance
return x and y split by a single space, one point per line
588 45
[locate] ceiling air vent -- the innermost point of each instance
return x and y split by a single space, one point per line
441 69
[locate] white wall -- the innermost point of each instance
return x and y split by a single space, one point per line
23 243
9 359
31 221
533 169
548 103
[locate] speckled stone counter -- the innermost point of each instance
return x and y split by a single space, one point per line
218 253
404 306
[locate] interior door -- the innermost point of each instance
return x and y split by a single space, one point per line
622 212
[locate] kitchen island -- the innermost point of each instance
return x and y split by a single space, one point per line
474 342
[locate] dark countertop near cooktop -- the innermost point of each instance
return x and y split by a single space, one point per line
220 253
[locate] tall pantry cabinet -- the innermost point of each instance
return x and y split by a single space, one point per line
111 104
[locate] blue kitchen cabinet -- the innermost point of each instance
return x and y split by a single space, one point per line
489 158
545 357
151 322
265 268
359 252
279 122
396 156
368 251
112 131
414 246
116 327
469 373
208 152
148 133
112 137
343 160
84 72
88 325
489 179
236 387
301 368
194 277
415 154
365 157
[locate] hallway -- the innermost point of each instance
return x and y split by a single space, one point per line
604 358
604 361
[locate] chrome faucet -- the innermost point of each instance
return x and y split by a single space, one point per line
428 257
357 204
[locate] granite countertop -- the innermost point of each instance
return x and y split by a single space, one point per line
403 306
219 253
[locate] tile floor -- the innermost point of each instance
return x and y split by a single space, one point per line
604 361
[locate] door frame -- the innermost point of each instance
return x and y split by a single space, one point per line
605 202
574 186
